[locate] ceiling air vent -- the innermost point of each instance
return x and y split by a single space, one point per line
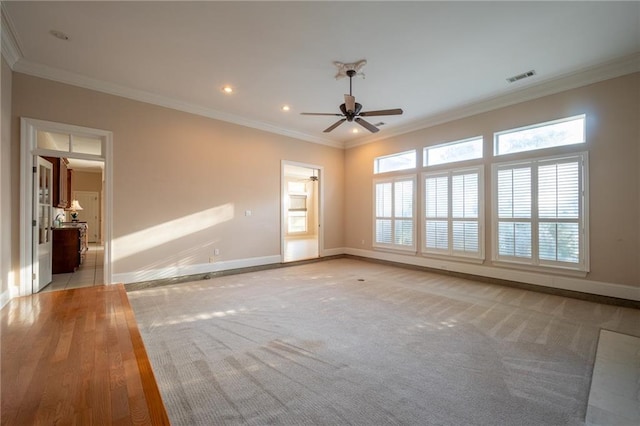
521 76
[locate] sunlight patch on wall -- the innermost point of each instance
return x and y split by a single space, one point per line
163 233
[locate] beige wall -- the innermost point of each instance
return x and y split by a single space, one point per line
183 182
9 243
86 181
613 142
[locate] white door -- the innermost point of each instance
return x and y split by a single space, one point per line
42 236
90 213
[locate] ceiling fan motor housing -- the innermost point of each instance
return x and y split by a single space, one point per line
350 115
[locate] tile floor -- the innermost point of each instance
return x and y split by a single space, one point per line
90 273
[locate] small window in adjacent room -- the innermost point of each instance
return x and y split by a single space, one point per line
567 131
391 163
468 149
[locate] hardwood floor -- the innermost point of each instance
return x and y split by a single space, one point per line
76 357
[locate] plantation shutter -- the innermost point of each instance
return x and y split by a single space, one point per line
395 213
559 211
437 212
514 212
540 206
452 213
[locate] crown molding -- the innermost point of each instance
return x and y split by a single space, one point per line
10 46
593 74
61 76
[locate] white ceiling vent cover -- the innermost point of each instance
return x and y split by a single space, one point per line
521 76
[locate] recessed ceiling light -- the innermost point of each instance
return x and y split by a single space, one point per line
59 34
227 89
286 107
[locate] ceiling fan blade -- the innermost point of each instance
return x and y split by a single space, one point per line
396 111
370 127
334 125
350 102
321 113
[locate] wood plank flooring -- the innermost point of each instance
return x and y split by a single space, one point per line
76 357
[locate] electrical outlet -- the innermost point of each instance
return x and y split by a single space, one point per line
216 252
362 242
247 212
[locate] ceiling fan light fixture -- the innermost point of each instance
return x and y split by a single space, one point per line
351 110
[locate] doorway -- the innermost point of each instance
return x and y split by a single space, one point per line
59 141
301 211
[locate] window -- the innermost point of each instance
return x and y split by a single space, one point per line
566 131
453 213
467 149
391 163
297 218
69 142
394 213
541 212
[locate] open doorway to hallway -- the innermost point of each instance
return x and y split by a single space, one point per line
55 212
301 217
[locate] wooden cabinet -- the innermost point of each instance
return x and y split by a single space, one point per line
66 250
69 247
61 190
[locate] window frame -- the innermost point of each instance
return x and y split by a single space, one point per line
534 262
450 252
496 135
395 247
425 151
396 154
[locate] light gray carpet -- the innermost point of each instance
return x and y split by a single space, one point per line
314 344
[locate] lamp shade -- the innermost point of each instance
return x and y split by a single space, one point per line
75 205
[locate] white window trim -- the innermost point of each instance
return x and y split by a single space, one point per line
450 253
534 264
395 154
396 247
425 154
496 135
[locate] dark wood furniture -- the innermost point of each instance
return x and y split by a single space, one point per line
66 250
61 188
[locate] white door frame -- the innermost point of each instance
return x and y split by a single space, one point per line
28 151
283 192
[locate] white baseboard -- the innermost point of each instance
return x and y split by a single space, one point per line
582 285
333 252
202 268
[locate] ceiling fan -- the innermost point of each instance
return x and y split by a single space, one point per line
352 111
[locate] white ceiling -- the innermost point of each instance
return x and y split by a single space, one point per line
429 58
